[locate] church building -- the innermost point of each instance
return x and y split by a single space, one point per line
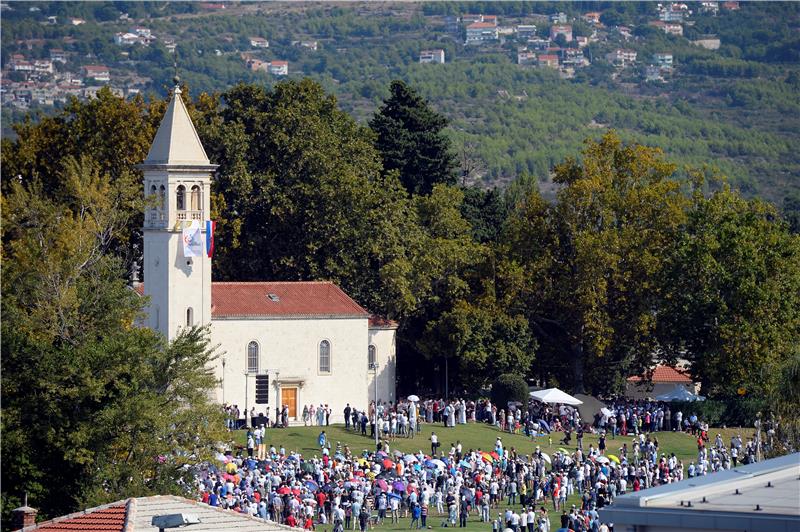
312 341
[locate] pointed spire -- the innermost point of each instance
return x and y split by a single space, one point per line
176 141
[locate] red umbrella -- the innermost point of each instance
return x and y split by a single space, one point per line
495 455
283 490
382 484
388 464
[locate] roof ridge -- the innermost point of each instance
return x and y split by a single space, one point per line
273 282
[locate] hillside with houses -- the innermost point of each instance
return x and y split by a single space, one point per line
522 83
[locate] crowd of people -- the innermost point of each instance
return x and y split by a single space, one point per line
501 486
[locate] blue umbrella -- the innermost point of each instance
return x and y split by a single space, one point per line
311 485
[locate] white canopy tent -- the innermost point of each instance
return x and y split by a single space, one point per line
679 393
554 395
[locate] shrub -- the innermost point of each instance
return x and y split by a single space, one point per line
509 387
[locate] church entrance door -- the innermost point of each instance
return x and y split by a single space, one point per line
289 397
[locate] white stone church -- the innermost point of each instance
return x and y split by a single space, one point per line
316 344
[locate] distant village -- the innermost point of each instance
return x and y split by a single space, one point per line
28 80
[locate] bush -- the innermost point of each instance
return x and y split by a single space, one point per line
509 387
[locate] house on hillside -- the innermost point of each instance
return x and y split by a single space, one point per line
663 60
470 18
730 6
593 17
539 44
526 57
526 31
709 7
259 42
57 55
669 28
622 57
432 56
279 68
657 381
97 73
479 32
548 60
559 29
558 18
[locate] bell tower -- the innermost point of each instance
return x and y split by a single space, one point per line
177 183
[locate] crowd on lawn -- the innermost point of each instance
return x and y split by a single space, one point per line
503 487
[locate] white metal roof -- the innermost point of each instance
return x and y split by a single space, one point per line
142 511
760 496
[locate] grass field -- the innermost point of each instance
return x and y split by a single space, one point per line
472 436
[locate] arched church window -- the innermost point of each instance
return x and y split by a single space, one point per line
189 317
162 193
324 356
152 190
371 357
180 198
195 198
252 357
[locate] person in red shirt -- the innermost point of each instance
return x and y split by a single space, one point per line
291 521
309 524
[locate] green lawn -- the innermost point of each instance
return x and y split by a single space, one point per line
472 436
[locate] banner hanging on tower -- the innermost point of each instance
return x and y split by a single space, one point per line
193 240
210 227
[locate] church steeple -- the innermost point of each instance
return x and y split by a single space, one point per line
176 141
177 183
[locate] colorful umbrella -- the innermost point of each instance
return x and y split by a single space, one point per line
311 485
487 457
614 458
388 464
602 459
410 458
283 490
382 485
495 455
398 485
413 398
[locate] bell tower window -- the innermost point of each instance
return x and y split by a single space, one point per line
161 196
195 198
180 198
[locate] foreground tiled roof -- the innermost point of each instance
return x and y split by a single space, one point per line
665 374
109 518
135 515
282 299
379 322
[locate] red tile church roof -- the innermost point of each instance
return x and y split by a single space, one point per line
103 519
267 299
282 299
665 374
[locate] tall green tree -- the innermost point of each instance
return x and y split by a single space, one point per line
95 408
734 294
592 259
411 140
300 195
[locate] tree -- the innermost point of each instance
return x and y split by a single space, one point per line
410 140
95 408
507 388
592 259
299 195
733 305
